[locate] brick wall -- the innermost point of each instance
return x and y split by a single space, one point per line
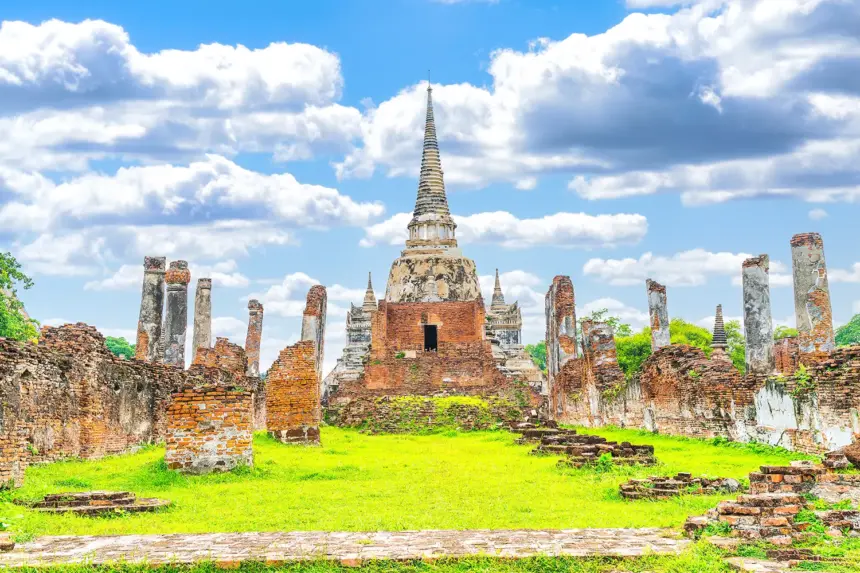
680 391
210 428
224 356
69 396
293 411
785 353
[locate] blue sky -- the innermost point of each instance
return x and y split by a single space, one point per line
275 144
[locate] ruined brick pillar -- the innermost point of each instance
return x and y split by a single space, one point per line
811 294
560 308
254 336
659 311
293 384
176 323
758 322
598 343
202 337
313 322
151 309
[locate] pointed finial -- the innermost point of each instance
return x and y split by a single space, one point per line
498 296
719 340
369 297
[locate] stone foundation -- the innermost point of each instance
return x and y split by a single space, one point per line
657 487
210 428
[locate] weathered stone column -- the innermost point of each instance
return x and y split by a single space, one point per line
313 322
177 276
659 311
560 309
811 294
758 321
151 309
255 335
202 337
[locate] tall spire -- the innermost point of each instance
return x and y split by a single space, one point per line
498 297
369 297
719 340
431 221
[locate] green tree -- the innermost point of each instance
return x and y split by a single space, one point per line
784 332
737 345
538 354
849 334
634 349
120 347
14 322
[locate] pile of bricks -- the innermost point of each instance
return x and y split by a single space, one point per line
210 428
583 449
97 503
767 516
836 461
796 478
656 487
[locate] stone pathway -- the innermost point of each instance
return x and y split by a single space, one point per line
347 547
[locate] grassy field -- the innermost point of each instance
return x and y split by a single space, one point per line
361 482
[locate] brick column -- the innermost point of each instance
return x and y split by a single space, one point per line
293 384
758 322
811 294
254 336
313 322
177 276
659 311
202 337
560 309
151 309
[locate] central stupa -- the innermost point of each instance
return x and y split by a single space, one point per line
432 268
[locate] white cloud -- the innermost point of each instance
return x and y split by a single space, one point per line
223 274
687 268
575 230
203 188
817 214
851 275
714 102
627 314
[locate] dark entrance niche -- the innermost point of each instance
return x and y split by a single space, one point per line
431 340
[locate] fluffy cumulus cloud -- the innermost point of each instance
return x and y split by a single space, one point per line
635 317
575 230
687 268
713 101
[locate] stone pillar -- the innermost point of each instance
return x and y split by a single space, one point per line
177 276
313 322
659 311
758 321
598 343
811 294
151 309
560 308
202 337
254 336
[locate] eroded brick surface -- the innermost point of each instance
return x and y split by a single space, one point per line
293 411
813 312
210 428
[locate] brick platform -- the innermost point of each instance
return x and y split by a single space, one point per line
347 547
97 503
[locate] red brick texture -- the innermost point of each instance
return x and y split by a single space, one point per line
293 411
210 428
785 353
223 356
70 397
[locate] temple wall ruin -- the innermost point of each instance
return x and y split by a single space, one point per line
69 396
680 391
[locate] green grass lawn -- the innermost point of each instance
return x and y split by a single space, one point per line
383 482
